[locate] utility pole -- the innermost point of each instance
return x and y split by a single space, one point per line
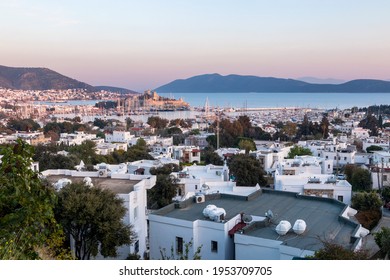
217 130
382 174
337 157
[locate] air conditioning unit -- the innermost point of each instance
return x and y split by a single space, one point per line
102 173
200 198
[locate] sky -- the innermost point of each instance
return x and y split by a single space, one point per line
144 44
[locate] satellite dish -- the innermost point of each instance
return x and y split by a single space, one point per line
269 214
247 218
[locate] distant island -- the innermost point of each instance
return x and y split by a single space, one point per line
237 83
30 78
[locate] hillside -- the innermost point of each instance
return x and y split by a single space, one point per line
116 89
37 79
237 83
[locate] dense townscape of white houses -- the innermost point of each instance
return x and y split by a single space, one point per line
308 199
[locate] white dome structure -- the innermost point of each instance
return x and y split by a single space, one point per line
299 226
283 227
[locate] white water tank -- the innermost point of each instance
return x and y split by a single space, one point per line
209 208
218 215
283 227
299 226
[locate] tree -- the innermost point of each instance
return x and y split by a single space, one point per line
361 180
247 145
165 189
299 151
93 218
26 205
209 156
182 256
382 239
362 201
373 148
371 123
157 122
23 125
324 127
368 205
247 170
290 129
332 251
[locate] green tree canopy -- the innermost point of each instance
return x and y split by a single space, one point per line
93 217
299 151
332 251
23 125
361 180
26 205
366 201
157 122
246 170
373 148
209 156
162 193
382 239
247 145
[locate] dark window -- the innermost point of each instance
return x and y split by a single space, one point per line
340 198
136 246
179 245
214 246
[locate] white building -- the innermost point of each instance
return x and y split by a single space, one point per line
131 188
194 179
76 138
109 148
186 154
321 185
142 167
376 141
380 170
229 227
360 133
118 136
304 164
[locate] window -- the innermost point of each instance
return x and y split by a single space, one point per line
326 157
384 177
328 166
135 213
179 245
334 158
196 187
136 246
340 198
345 158
214 246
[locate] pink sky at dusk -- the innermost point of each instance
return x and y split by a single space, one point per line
144 45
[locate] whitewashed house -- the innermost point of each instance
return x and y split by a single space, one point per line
131 188
229 227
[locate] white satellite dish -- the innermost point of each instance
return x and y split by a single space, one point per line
247 218
269 214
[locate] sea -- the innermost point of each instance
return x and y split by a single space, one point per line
248 100
281 100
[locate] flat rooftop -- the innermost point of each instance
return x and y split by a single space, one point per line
118 186
320 214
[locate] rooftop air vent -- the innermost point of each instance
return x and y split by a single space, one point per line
283 227
299 226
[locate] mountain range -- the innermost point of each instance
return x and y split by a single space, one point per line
25 78
28 78
237 83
